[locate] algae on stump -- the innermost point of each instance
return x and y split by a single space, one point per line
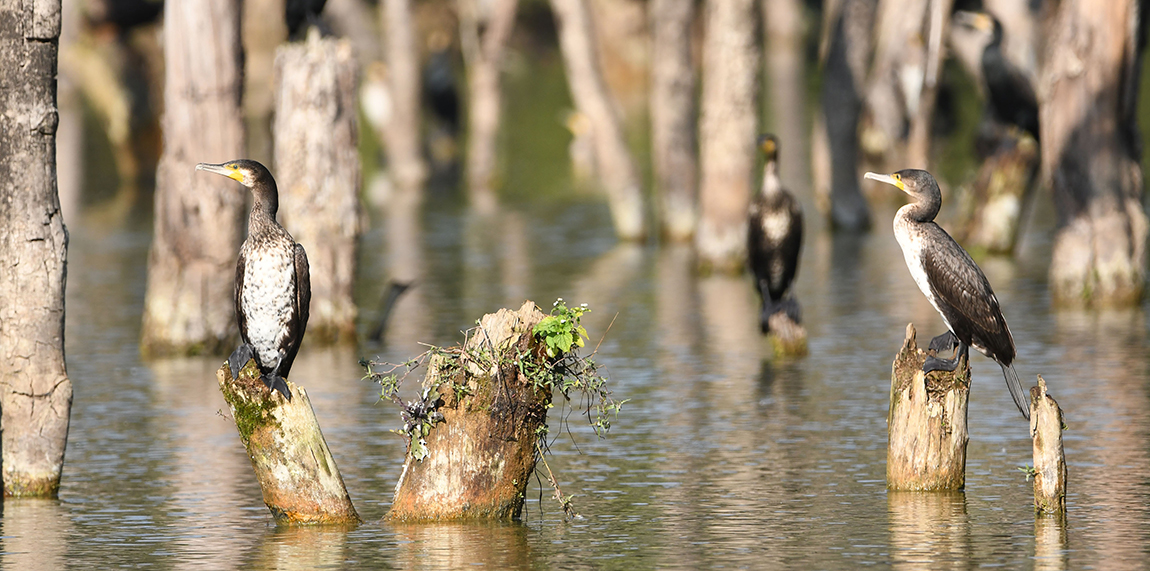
1049 458
926 425
787 338
299 478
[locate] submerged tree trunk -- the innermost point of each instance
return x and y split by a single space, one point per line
1090 152
402 136
783 27
479 458
35 392
484 29
673 142
727 131
198 219
991 213
616 167
300 481
835 145
1049 458
926 423
317 168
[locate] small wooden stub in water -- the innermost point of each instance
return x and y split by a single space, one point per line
1049 459
926 425
787 338
300 481
480 457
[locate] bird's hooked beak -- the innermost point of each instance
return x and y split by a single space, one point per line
893 180
224 169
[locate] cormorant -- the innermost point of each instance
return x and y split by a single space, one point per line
774 238
953 283
273 283
1010 92
299 14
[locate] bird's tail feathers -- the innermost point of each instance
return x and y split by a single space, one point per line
1016 391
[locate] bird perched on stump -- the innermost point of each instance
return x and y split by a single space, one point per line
953 283
273 283
774 238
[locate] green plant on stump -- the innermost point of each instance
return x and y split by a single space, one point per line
553 366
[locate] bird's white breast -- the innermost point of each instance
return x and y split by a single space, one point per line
266 300
912 253
776 224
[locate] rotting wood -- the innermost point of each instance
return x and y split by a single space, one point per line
300 480
1049 458
480 456
926 425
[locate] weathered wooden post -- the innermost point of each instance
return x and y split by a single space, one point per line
1049 459
476 461
300 481
317 168
926 425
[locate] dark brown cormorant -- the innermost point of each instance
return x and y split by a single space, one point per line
953 283
273 283
774 238
299 14
1009 90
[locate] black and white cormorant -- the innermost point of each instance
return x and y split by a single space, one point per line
953 283
273 283
1009 89
774 238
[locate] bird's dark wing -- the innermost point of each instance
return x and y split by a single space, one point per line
793 243
757 250
964 296
241 265
301 307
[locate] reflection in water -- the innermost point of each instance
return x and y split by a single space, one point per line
292 548
34 534
491 545
928 530
1050 543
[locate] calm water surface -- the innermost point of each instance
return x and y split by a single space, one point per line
723 457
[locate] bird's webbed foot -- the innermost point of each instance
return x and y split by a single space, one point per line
943 343
240 357
276 383
935 363
790 307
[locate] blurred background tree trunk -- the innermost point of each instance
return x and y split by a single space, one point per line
727 131
616 168
674 152
402 135
188 306
485 28
35 392
835 144
894 87
786 64
261 35
318 174
1090 152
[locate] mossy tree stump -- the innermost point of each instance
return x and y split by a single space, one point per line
787 338
926 425
475 463
300 481
991 213
1049 458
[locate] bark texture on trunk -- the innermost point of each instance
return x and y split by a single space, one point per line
198 219
480 457
835 145
727 131
1090 152
926 423
403 134
674 155
485 29
300 481
318 174
35 392
1049 459
614 163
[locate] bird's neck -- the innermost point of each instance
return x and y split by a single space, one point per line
923 209
772 186
264 206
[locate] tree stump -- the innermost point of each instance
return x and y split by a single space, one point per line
787 338
926 425
300 481
477 461
317 168
992 211
1049 459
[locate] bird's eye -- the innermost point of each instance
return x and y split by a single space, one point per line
896 176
